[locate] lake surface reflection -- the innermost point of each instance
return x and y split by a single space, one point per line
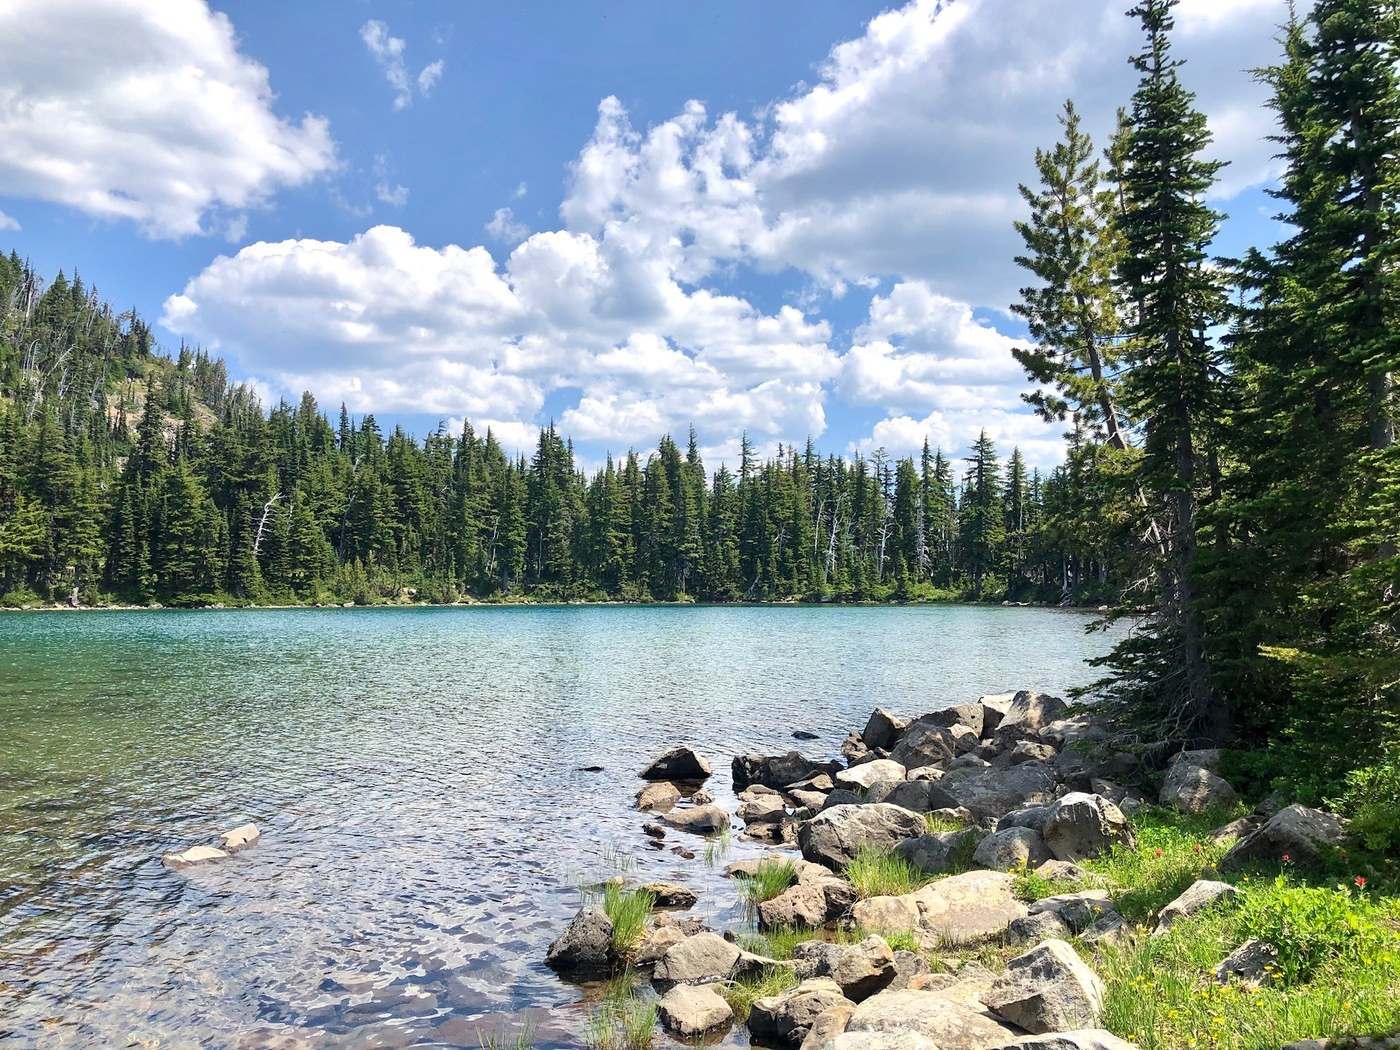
427 825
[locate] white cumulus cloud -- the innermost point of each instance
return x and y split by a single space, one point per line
87 119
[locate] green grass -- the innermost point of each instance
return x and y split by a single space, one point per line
629 911
497 1039
880 873
770 878
938 825
778 942
742 993
623 1019
717 847
898 940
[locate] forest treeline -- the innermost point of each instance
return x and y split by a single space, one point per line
128 475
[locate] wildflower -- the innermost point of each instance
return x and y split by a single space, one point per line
1156 852
1341 854
1360 881
1287 859
1196 848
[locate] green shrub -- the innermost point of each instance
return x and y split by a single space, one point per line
1372 800
1311 925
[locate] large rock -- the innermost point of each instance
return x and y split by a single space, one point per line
1032 817
679 763
935 854
969 715
834 836
193 857
883 729
1081 1039
868 773
1081 825
1254 962
1201 894
245 836
829 1025
800 905
784 1020
988 792
1029 713
863 969
585 945
1300 833
704 957
994 708
1194 789
960 909
917 795
1048 989
766 809
1078 910
1011 848
950 1025
659 796
928 745
777 771
670 894
700 819
689 1011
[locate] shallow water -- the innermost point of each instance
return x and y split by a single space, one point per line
416 774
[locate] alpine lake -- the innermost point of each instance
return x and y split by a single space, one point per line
418 774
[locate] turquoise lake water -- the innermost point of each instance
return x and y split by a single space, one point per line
427 825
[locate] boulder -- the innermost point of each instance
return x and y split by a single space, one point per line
830 1023
1201 894
815 958
1194 789
1037 927
834 836
1048 989
883 729
916 795
1109 928
934 854
703 957
784 1020
842 797
1237 829
679 763
700 819
1347 1042
1206 758
1253 962
1298 832
1030 751
880 1041
949 1025
1082 825
670 894
193 857
777 771
907 966
988 793
1029 713
766 809
994 708
1011 848
1032 817
239 839
925 745
854 751
1081 1039
969 715
812 801
800 905
1066 732
585 945
689 1011
660 796
1079 910
656 943
960 909
863 969
868 773
1065 871
820 782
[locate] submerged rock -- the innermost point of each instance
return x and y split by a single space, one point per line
193 857
240 838
701 819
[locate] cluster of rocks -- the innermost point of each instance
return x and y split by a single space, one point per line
230 842
968 793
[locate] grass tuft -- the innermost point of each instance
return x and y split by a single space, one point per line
622 1020
937 825
629 911
880 873
770 878
742 993
497 1039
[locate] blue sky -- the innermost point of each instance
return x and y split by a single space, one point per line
790 218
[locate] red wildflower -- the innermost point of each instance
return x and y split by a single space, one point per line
1156 853
1360 881
1287 859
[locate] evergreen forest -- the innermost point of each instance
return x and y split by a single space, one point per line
1231 482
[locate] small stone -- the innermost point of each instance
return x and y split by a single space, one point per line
670 894
1252 963
660 796
1201 894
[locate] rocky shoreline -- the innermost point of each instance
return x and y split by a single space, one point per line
973 797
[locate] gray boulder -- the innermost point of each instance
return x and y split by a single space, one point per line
883 729
1011 848
868 773
1082 825
700 819
1194 789
926 745
1201 894
703 957
949 1025
1048 989
585 945
679 763
1029 713
1300 833
800 905
1252 963
960 909
1030 751
917 795
863 969
1079 910
1037 927
970 715
994 708
834 836
842 797
1082 1039
777 771
784 1020
935 854
689 1011
766 809
988 792
1032 817
659 796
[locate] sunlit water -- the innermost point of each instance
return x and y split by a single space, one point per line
416 773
